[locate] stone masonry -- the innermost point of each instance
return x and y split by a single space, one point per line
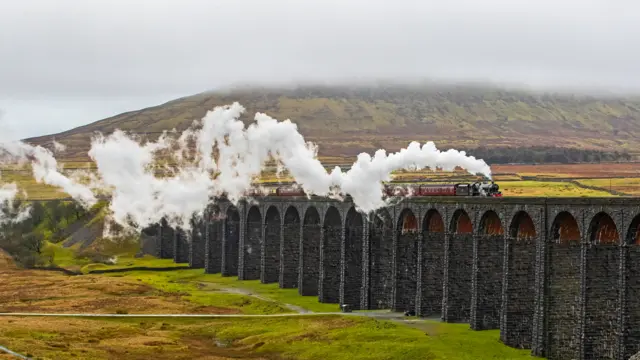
559 276
180 246
290 250
197 245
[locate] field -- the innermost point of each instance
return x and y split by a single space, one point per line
629 186
573 171
306 336
551 180
548 188
33 189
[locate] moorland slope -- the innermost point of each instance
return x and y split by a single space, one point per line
347 120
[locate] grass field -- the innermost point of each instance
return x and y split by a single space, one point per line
191 291
629 186
327 337
604 170
547 188
33 189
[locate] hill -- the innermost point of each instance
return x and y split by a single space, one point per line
348 120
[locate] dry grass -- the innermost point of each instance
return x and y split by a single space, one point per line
49 291
605 170
33 189
547 189
6 262
326 337
305 338
77 338
629 186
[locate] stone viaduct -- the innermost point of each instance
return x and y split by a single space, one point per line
559 276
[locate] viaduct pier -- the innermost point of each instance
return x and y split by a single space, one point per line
559 276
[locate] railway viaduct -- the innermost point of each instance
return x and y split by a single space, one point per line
559 276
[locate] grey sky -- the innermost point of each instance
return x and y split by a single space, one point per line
64 63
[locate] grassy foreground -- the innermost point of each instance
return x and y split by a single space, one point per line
329 337
191 291
209 289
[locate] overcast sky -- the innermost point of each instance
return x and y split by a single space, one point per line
65 63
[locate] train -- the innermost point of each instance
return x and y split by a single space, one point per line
482 189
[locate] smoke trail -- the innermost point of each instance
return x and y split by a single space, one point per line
141 198
58 147
8 211
45 169
8 192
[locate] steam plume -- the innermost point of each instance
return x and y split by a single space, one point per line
8 192
45 169
138 196
225 159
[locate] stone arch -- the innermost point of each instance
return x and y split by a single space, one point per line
487 272
564 279
381 260
407 222
490 224
231 242
457 306
432 264
408 235
311 239
290 249
521 262
522 227
252 250
353 233
632 271
270 262
565 229
603 230
433 222
330 287
633 232
213 240
461 223
602 289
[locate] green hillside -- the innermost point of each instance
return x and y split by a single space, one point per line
348 120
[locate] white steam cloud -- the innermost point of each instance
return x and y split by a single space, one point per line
218 156
8 192
58 147
141 198
45 169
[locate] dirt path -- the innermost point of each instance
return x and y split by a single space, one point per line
298 309
381 315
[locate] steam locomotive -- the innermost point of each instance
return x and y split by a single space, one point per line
484 189
476 189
